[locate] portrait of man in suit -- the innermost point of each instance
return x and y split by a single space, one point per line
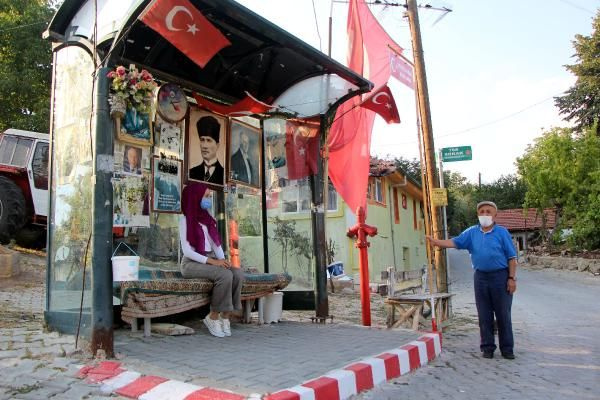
208 144
244 162
132 160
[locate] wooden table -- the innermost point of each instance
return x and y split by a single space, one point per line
407 309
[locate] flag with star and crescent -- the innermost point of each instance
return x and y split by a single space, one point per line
186 28
383 103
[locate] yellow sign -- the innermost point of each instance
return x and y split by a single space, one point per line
439 197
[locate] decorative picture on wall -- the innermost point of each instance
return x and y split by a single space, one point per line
244 154
130 194
205 147
166 185
135 127
132 160
167 138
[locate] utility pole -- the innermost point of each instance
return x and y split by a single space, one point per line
428 168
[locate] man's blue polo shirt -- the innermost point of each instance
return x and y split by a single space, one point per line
490 251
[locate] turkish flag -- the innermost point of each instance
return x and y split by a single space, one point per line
349 138
247 106
301 149
272 200
382 102
186 28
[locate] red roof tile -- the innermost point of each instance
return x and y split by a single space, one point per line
515 219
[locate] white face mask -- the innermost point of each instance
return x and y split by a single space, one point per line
485 220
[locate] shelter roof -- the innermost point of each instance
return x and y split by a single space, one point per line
263 59
519 219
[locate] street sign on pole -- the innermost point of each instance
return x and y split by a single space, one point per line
460 153
439 197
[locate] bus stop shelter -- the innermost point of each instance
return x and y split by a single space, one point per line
91 179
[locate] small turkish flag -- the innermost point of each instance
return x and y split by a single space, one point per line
186 28
301 149
247 106
382 102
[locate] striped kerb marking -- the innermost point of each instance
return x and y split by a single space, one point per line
140 386
414 359
325 388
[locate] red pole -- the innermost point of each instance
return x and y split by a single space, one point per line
360 231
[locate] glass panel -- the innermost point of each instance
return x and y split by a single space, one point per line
289 227
40 166
71 183
7 149
243 209
21 151
313 96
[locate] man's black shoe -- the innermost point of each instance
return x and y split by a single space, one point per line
508 356
489 354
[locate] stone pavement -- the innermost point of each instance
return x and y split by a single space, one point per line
556 324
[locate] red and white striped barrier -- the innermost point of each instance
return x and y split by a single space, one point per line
337 384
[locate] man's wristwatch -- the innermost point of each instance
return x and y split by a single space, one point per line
513 278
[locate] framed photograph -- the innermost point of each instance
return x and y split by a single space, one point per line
205 147
167 138
244 159
132 160
171 103
166 185
136 128
130 195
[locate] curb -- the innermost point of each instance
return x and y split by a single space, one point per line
337 384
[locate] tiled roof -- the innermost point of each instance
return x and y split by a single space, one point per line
515 219
379 167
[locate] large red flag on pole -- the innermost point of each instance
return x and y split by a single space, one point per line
186 28
349 139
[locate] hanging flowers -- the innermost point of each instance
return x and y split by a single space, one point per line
130 88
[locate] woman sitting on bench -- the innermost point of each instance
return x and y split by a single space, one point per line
204 258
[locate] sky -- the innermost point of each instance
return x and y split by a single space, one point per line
492 67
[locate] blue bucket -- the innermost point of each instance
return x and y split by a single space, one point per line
336 268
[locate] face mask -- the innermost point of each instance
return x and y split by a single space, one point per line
206 204
485 220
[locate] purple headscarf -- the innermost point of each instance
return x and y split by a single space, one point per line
194 214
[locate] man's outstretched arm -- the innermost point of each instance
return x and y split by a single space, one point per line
443 243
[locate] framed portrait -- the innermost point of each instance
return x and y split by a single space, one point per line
166 185
244 159
171 102
167 138
132 159
129 201
135 127
205 147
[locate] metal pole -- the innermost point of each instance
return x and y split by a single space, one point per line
427 129
102 211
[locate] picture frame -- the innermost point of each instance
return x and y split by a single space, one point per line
135 128
166 185
167 138
244 159
132 159
197 147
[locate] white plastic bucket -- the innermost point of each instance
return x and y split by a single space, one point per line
125 268
273 307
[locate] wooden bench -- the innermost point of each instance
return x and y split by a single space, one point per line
159 293
407 309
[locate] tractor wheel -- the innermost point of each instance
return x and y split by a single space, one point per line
31 237
12 209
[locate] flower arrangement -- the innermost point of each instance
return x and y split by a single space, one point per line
130 88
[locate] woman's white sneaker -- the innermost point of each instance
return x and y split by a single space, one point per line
226 325
214 327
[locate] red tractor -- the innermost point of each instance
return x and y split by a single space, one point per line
23 187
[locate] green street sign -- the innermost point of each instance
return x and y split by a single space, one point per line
461 153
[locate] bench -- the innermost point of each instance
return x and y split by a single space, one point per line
159 293
407 309
403 281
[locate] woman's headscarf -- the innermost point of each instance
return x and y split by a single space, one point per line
194 214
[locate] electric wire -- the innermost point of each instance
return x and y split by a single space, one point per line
317 25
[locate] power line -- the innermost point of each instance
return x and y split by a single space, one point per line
574 5
317 25
22 26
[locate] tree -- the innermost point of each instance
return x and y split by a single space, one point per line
581 103
562 170
25 64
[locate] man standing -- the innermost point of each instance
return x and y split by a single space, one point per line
210 170
495 262
241 168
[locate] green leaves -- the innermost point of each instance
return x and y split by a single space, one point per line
25 65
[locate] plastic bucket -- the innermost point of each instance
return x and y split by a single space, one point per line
336 268
273 307
125 268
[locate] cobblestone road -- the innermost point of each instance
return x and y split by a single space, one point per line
556 322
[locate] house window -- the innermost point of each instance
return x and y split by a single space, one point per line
296 197
379 191
396 206
375 191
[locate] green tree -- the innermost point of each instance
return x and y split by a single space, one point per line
581 103
562 170
25 64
